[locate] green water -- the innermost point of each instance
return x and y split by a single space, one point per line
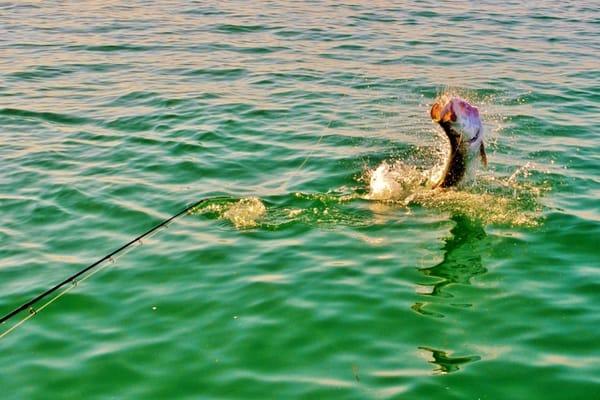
114 116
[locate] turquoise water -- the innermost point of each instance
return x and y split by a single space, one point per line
292 285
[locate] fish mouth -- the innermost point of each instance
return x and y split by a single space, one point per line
442 111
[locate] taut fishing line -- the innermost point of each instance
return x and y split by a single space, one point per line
295 173
62 288
80 276
70 282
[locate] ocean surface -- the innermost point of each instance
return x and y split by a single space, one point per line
289 282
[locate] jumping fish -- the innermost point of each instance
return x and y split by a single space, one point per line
462 125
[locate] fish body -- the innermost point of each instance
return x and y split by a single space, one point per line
462 125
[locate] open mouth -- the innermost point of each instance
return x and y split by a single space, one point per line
442 111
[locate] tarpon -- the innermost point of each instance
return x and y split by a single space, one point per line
462 125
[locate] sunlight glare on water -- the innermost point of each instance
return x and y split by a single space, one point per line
298 278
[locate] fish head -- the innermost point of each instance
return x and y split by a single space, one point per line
460 121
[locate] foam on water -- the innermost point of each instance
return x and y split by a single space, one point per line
113 116
323 209
243 214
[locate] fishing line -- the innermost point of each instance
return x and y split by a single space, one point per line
310 153
72 281
99 265
295 173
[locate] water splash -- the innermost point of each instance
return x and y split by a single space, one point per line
404 181
489 200
243 214
322 209
395 181
481 196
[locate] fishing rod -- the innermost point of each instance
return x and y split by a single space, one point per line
73 278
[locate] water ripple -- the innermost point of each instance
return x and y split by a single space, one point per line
115 116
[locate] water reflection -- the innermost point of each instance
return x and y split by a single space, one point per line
462 261
446 364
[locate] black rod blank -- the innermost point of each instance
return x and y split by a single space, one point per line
72 278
